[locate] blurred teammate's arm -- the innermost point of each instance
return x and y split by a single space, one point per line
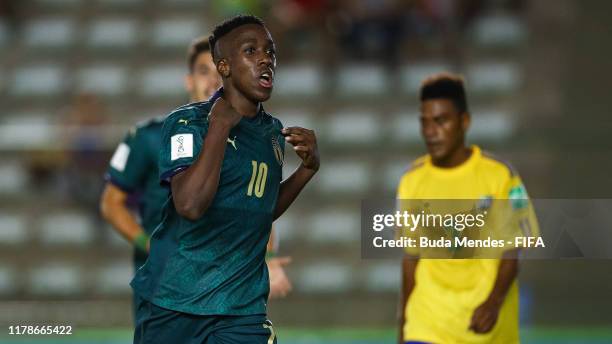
114 210
485 316
280 285
409 264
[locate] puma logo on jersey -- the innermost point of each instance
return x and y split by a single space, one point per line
232 142
183 121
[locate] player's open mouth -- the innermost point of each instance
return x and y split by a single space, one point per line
266 79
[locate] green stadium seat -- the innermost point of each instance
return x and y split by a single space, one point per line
492 125
13 178
344 176
49 32
295 117
102 79
13 229
499 30
114 278
26 129
67 229
163 80
349 126
324 277
493 77
333 226
38 80
383 277
369 79
298 80
55 279
177 32
405 126
113 33
8 280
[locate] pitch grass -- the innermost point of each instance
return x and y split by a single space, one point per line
540 335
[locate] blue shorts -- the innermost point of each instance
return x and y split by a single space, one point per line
159 325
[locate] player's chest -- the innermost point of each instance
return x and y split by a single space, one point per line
252 152
469 187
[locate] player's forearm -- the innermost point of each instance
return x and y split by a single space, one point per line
290 188
506 274
115 212
194 189
272 244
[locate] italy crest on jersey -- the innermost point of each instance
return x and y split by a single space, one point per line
278 151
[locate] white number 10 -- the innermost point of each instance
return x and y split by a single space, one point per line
258 179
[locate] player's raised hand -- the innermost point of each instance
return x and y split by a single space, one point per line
222 113
485 317
304 143
280 285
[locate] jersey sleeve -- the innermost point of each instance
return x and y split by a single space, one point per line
130 162
182 141
520 214
405 203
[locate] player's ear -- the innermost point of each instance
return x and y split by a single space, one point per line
466 120
223 68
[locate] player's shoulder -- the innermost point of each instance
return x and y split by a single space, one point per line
271 119
497 165
416 166
188 114
413 172
147 125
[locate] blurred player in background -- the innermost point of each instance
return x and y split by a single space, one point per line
458 300
133 171
205 280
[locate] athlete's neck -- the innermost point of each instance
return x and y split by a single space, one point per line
240 103
455 158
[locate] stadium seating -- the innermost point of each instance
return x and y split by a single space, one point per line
102 80
130 53
14 230
50 32
38 80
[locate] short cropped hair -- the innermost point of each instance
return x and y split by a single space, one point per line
445 86
228 25
198 46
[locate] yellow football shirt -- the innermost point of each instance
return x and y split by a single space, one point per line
447 291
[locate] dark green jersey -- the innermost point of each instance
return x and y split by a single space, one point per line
216 265
133 168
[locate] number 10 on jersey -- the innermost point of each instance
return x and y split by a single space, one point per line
258 179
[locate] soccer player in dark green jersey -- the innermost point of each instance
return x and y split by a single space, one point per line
133 167
133 171
205 280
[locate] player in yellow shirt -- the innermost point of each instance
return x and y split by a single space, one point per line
459 300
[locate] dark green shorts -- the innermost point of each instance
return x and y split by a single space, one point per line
159 325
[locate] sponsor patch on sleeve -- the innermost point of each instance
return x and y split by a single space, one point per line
120 157
181 146
518 197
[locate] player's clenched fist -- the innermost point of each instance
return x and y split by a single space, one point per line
222 113
304 143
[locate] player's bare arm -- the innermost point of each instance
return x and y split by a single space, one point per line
409 264
114 210
194 189
280 285
304 143
485 316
